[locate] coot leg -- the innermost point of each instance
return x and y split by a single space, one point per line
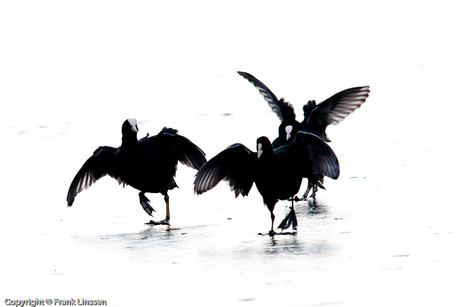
313 186
315 189
305 195
166 220
272 232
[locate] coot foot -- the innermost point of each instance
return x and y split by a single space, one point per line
289 220
145 203
155 223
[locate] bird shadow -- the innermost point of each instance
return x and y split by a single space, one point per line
157 233
317 208
285 242
312 207
280 233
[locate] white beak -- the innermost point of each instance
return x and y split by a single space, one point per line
133 123
288 130
259 150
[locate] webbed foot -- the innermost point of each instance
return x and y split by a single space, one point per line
272 233
145 203
289 220
155 223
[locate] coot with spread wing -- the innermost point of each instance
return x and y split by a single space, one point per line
317 117
277 173
148 165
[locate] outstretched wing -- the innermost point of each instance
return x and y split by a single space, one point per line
169 143
337 107
101 163
316 157
234 164
283 109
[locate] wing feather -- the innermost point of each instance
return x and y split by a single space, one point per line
337 107
168 142
283 109
318 158
234 164
100 164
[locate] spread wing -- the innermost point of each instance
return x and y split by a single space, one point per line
283 109
101 163
317 157
337 107
234 164
169 143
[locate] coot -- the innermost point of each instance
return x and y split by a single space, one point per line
148 165
277 173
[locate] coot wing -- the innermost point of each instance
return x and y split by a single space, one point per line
337 107
284 110
101 163
169 144
234 164
316 157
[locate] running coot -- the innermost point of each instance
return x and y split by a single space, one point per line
277 173
148 165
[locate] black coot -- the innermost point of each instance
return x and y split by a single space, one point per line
148 165
277 173
317 117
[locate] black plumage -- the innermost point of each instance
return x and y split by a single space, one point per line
277 173
148 165
283 109
317 117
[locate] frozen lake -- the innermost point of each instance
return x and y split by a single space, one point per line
386 233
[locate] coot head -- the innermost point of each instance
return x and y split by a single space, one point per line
264 146
129 130
309 107
129 126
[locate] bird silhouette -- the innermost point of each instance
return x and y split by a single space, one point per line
277 173
317 117
148 165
